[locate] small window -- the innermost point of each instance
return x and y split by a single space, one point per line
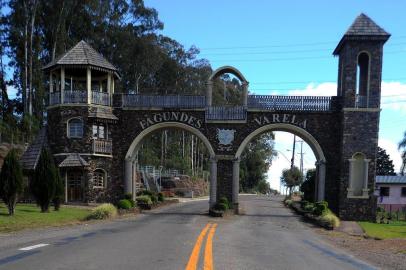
403 192
99 132
99 178
384 191
75 128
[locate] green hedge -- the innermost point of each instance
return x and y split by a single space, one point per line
125 204
104 211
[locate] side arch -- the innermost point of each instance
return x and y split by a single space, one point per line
136 142
129 167
227 69
306 136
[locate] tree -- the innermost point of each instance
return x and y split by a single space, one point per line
402 147
263 187
291 178
309 185
11 181
59 191
384 165
44 181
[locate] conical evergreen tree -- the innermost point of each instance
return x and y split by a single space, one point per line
43 182
11 181
59 190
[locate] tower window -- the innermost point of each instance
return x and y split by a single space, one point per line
362 91
99 177
75 128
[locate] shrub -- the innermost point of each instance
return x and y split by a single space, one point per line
59 191
221 207
320 208
145 192
225 201
288 202
124 204
11 181
43 182
330 219
144 201
128 196
104 211
154 199
161 197
309 207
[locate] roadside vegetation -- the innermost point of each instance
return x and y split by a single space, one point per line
29 216
395 229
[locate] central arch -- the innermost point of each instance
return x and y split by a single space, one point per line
135 145
305 135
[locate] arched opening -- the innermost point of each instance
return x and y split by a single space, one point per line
198 157
99 178
227 86
362 87
75 128
305 136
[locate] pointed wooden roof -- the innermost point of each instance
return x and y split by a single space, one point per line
363 28
73 160
29 159
82 54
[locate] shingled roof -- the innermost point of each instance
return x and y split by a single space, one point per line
31 156
82 54
363 27
73 160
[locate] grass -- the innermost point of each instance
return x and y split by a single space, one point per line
396 229
30 216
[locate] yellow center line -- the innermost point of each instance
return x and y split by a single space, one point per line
194 257
208 251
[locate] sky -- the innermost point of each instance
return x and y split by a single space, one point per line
285 48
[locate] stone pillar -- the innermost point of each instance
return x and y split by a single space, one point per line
213 181
128 167
209 93
236 184
365 189
245 94
89 85
321 180
62 84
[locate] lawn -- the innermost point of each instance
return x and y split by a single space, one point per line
395 229
30 216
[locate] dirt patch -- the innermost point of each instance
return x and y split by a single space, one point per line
385 254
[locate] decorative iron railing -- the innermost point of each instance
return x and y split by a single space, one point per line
54 98
101 146
226 113
100 98
361 101
170 101
291 103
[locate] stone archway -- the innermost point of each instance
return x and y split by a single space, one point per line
132 150
306 136
220 71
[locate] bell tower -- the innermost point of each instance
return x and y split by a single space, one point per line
359 87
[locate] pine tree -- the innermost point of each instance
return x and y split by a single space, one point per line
11 181
384 165
59 191
43 182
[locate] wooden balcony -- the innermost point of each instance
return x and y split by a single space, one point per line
169 101
289 103
79 97
101 146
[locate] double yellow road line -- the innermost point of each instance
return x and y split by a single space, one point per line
208 250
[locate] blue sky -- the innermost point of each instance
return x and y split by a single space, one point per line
285 47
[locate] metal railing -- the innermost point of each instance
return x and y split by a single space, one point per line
54 98
101 146
74 97
170 101
100 98
291 103
226 113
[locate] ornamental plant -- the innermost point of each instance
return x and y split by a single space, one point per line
11 181
44 181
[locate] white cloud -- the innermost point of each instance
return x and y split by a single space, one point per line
393 152
394 96
312 89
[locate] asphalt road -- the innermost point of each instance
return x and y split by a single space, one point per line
265 236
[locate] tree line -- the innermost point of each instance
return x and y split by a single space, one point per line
129 35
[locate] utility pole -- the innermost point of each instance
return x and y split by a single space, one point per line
301 156
292 161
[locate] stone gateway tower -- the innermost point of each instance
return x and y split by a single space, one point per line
95 133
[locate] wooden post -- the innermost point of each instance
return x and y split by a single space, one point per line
109 88
66 186
89 85
62 84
